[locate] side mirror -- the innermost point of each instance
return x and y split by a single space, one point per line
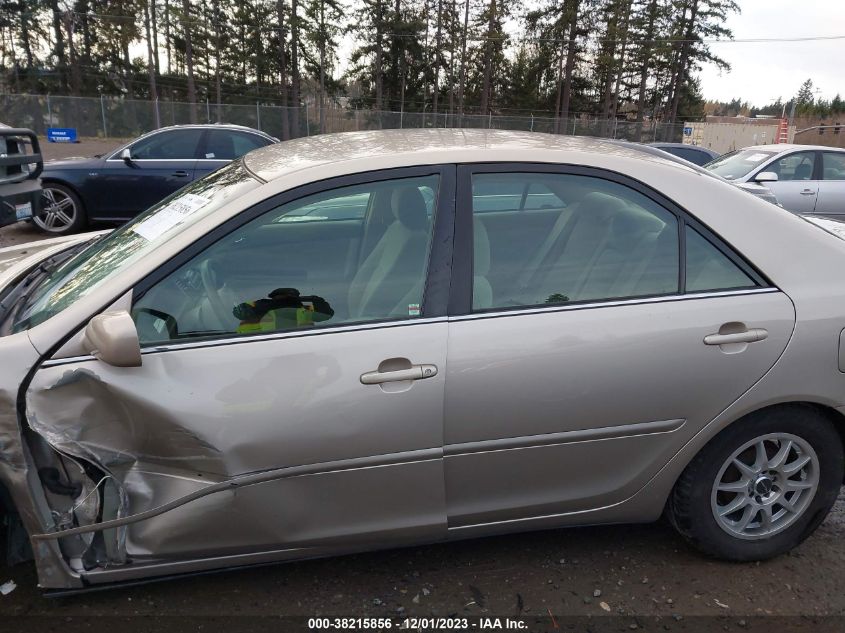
112 338
766 176
126 155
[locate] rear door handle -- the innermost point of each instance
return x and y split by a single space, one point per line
751 335
808 192
414 372
180 173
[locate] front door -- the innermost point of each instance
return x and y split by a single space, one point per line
161 164
797 187
586 358
286 347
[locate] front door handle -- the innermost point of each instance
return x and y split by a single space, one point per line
751 335
808 192
414 372
181 173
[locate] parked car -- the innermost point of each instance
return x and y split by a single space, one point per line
751 187
805 178
693 153
118 186
20 168
626 337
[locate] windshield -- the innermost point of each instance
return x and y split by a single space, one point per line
108 256
738 164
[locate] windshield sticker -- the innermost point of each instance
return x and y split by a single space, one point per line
756 158
171 215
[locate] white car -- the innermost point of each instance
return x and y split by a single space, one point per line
805 178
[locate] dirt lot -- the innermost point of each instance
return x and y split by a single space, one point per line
86 147
644 574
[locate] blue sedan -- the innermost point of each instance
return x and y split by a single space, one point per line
118 186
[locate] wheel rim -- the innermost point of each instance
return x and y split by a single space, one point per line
59 211
765 486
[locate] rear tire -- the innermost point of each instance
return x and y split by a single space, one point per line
761 486
62 212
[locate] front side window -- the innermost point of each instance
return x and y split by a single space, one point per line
110 255
605 241
834 165
735 165
170 145
797 166
348 255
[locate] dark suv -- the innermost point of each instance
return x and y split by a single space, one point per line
20 168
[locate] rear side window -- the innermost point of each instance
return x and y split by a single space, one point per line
693 155
605 241
602 240
229 145
512 195
710 269
833 165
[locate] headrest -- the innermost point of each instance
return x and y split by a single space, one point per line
408 206
803 172
600 204
480 248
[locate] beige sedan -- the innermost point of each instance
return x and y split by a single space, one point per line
366 340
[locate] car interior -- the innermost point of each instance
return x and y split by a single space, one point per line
360 254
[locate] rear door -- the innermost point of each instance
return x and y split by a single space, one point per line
797 186
831 198
161 164
576 372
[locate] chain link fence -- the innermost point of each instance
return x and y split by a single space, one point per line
114 117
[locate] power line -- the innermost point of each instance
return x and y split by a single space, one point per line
503 37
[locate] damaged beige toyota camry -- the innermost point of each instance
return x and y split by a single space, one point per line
370 340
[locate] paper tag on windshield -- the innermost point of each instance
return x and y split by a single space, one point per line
171 215
756 158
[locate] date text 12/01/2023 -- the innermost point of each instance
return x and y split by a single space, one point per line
418 624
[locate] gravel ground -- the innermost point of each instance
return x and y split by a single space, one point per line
640 571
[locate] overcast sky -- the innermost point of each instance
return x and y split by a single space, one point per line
762 72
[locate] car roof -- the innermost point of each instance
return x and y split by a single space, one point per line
409 147
209 126
786 147
684 145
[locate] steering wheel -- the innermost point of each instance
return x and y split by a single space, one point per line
222 313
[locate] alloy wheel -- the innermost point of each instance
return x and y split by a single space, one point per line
59 211
765 486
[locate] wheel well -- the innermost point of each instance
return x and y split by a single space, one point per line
56 181
836 418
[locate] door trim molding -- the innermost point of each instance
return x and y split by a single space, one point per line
564 437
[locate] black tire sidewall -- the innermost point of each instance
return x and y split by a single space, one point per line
702 527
